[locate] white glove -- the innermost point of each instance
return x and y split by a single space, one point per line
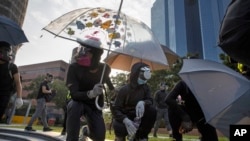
140 109
19 103
97 90
130 126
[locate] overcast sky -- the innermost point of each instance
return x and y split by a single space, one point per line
43 47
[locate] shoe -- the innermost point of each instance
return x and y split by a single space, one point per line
46 129
155 135
63 132
170 135
28 128
84 133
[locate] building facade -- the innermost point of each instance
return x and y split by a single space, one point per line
29 72
15 10
189 26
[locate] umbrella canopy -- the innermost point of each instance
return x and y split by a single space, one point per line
222 93
234 32
125 62
11 32
117 32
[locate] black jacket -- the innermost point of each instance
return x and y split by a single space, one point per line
130 94
191 109
80 80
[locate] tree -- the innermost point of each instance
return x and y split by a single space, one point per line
61 94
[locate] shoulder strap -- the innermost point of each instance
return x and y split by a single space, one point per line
10 65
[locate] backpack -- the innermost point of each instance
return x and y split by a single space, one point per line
13 86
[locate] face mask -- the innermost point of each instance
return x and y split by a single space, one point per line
84 61
4 56
141 82
145 73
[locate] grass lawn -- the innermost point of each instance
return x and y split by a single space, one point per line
110 136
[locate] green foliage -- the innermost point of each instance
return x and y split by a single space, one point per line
62 91
119 79
226 60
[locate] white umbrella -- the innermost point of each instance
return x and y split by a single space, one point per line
125 62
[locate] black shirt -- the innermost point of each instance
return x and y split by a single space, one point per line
6 81
80 80
40 92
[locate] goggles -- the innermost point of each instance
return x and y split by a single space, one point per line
84 51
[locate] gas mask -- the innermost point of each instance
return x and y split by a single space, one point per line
144 75
83 58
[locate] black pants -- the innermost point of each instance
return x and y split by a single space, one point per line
93 117
65 116
4 101
147 123
207 131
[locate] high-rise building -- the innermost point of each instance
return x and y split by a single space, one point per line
15 10
189 26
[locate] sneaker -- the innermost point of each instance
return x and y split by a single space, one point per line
155 135
63 132
28 128
46 129
84 133
170 135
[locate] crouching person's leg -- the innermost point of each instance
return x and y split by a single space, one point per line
147 123
120 131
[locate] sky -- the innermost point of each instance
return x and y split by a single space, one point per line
44 47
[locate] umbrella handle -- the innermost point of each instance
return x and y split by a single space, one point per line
97 105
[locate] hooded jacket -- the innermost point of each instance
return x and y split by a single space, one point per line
130 94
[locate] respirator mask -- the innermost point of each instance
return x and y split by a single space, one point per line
83 57
144 75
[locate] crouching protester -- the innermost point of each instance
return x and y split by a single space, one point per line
185 112
83 82
133 111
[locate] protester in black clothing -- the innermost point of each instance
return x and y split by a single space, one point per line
83 81
9 75
162 109
187 113
134 102
41 108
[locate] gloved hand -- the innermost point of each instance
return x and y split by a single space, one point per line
140 109
19 102
97 90
130 126
186 126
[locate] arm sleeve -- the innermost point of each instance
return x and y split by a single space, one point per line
179 89
119 105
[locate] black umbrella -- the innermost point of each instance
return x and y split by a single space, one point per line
234 32
11 32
